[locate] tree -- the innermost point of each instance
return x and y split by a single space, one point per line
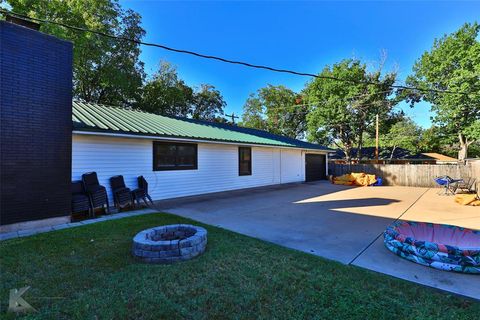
472 133
432 140
452 64
341 112
276 109
105 70
405 134
208 104
166 94
254 114
385 124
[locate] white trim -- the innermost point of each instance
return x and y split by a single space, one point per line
326 165
122 135
280 158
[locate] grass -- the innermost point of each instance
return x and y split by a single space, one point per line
88 273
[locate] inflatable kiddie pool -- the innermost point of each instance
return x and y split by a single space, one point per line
440 246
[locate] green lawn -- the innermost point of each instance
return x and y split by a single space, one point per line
88 273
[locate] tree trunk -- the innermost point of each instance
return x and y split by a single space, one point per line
348 155
359 147
393 151
463 152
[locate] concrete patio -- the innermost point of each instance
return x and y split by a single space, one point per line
339 223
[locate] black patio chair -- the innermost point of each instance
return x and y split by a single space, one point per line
96 192
142 192
80 199
467 185
122 196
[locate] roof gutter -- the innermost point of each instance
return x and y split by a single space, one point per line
122 135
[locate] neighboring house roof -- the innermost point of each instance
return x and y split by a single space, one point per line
439 157
368 153
100 118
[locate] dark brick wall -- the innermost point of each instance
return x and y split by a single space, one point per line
36 124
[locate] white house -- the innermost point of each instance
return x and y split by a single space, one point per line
184 157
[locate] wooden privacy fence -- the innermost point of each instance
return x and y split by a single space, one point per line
413 175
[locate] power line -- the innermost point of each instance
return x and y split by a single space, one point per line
247 64
359 107
232 116
349 100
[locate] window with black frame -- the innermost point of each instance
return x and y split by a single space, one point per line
174 156
244 161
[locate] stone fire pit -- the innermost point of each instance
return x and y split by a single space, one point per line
169 244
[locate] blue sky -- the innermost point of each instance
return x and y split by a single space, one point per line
303 36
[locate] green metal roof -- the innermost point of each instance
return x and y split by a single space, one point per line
100 118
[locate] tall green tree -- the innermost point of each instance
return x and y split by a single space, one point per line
341 112
105 70
254 114
404 134
432 140
453 63
276 109
384 127
473 131
166 93
208 104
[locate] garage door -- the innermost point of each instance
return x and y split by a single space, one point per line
315 167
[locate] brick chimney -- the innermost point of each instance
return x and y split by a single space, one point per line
36 122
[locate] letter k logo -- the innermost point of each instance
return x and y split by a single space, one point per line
16 302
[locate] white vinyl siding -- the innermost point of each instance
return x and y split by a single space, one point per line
217 166
292 165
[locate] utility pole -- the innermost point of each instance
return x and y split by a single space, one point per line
233 116
376 137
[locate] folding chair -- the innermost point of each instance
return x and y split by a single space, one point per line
449 185
96 192
122 196
80 199
467 185
142 192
